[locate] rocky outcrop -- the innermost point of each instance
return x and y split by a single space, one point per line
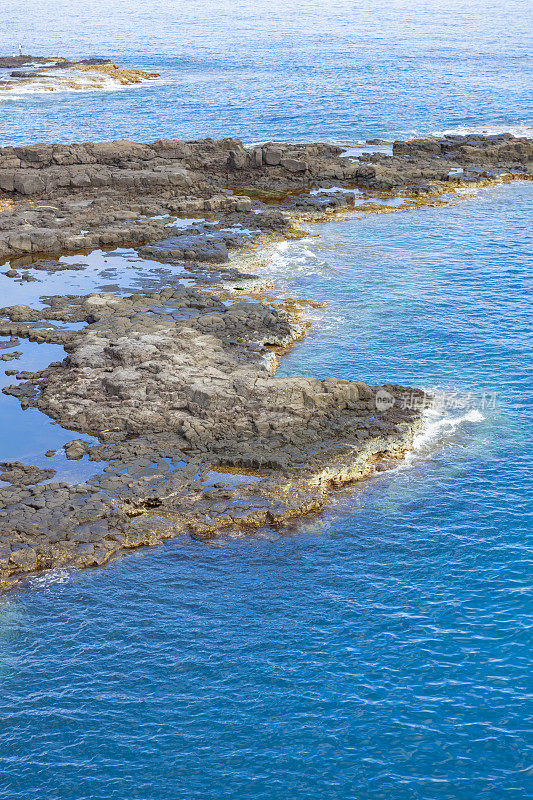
23 474
178 387
92 194
55 73
47 170
177 384
486 151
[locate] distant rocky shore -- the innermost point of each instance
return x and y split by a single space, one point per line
177 384
50 74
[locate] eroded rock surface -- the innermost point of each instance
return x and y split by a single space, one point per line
108 193
177 384
23 474
43 73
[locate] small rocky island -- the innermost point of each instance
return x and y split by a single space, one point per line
51 74
175 385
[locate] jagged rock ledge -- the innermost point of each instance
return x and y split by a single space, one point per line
178 387
66 198
177 384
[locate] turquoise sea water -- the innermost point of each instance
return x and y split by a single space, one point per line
381 650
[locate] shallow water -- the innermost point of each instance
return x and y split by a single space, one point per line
27 435
381 650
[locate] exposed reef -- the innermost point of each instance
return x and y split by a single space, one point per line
178 387
50 74
194 432
82 196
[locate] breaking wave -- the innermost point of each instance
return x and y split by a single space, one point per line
520 129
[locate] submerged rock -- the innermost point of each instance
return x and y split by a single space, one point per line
56 74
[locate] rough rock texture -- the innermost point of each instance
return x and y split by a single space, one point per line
92 194
177 384
23 474
56 73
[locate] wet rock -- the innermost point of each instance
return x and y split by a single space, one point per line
211 249
23 474
177 383
76 449
189 177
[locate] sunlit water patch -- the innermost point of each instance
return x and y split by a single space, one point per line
122 268
28 434
300 71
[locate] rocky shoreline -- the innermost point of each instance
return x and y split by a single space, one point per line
50 74
176 383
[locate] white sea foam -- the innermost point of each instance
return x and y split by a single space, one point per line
436 428
284 263
516 129
49 577
436 425
63 81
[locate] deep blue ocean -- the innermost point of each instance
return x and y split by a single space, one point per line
383 649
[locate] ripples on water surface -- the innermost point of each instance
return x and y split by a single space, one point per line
379 651
299 69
